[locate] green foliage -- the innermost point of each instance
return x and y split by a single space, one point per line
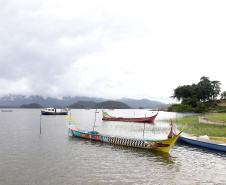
180 108
111 105
77 106
219 109
223 95
201 107
182 92
190 101
32 105
215 89
195 95
83 105
94 105
205 90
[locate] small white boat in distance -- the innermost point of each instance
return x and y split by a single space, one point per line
55 111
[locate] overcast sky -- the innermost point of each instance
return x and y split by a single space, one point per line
110 48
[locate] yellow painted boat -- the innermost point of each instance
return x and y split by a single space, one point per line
218 138
152 144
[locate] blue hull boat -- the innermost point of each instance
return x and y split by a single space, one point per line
205 141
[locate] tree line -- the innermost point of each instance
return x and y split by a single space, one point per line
197 97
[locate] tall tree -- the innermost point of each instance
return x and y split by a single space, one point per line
215 89
182 92
204 89
223 95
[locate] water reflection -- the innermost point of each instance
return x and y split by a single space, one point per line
159 157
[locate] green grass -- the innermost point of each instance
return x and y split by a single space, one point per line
217 116
194 127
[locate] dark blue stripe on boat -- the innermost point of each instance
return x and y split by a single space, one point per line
204 144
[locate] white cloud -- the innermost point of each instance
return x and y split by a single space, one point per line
110 49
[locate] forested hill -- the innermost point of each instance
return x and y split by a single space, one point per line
83 105
31 106
111 105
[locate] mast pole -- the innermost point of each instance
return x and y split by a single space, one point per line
95 119
40 124
144 129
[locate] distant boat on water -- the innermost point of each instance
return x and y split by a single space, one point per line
55 111
7 110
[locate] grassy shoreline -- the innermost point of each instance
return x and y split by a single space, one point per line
194 127
216 116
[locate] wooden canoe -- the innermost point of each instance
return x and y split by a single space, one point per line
152 144
107 117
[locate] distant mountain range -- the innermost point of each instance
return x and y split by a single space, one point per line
77 101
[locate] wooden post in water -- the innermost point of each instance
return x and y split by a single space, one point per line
40 124
94 120
143 130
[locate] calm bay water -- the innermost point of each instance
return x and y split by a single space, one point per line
52 157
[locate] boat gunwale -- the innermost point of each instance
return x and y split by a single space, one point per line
129 117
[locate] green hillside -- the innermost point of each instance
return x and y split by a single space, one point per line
111 105
32 105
